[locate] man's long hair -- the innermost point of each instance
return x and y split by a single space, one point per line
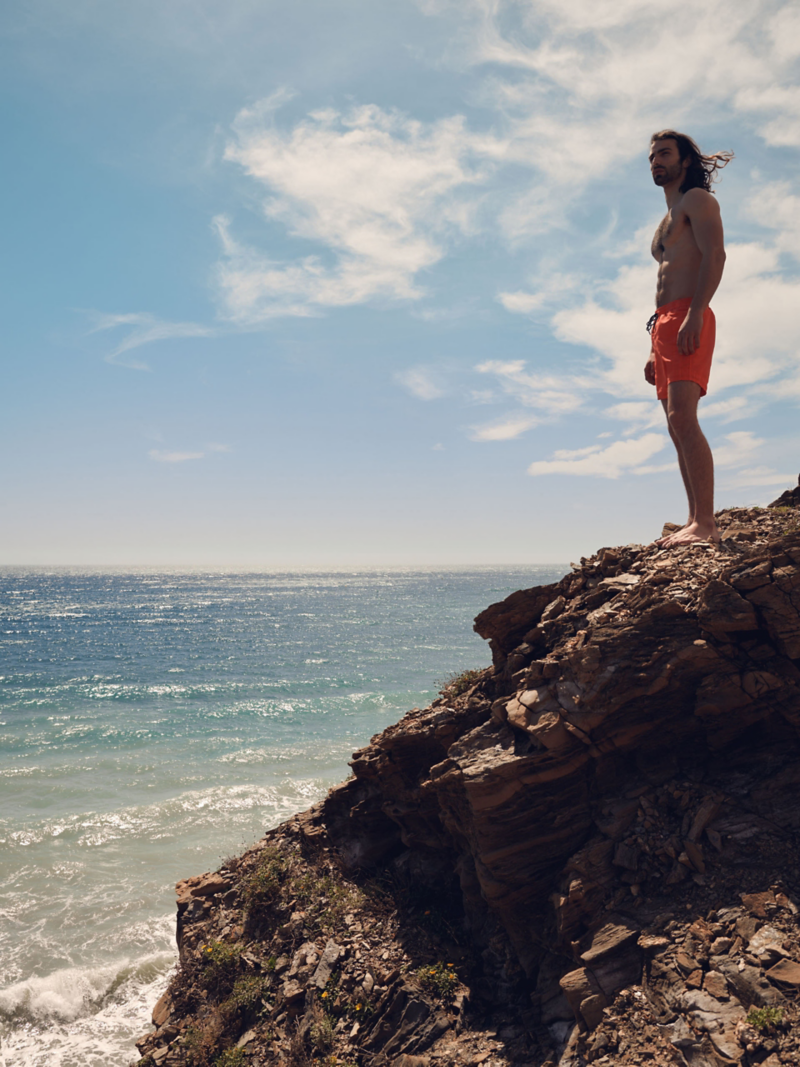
702 170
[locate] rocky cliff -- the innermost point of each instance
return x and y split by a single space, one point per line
586 853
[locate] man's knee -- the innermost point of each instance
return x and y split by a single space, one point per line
682 420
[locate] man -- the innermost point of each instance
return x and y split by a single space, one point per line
688 246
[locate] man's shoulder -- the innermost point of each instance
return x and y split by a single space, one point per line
699 200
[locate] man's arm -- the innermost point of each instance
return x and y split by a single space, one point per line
702 210
650 369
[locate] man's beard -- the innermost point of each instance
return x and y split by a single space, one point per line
668 174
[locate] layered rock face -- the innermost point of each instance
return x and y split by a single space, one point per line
606 821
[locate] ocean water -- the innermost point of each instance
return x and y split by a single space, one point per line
150 725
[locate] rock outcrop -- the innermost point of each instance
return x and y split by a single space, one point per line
588 856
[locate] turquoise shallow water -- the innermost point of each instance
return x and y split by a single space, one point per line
151 724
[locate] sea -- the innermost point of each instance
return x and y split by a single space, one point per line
152 724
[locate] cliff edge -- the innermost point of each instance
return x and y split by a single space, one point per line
586 853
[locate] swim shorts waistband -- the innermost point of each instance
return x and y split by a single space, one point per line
681 302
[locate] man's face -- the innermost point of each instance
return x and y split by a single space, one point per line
666 165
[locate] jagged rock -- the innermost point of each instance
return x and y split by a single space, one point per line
604 824
330 957
786 972
788 499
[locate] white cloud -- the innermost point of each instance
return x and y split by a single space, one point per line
638 413
601 462
740 449
378 190
521 302
775 207
736 407
421 382
765 476
144 329
173 457
551 286
504 429
552 394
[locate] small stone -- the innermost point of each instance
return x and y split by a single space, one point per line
720 946
209 886
162 1010
758 904
330 957
246 1038
715 984
686 962
292 991
786 971
695 979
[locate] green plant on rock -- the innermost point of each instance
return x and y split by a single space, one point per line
262 886
246 996
458 683
322 1034
325 900
439 979
202 1039
764 1018
232 1057
220 961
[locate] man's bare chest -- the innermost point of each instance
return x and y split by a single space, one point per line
673 230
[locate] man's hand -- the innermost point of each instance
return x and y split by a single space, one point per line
650 369
689 333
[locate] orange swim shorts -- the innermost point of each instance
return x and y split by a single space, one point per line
671 366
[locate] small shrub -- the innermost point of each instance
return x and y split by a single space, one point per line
246 995
456 684
325 900
438 978
202 1039
322 1034
262 886
220 961
232 1057
764 1018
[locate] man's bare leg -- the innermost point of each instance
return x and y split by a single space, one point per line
696 464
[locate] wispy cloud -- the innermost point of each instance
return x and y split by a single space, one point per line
552 394
142 329
173 457
378 191
609 462
422 382
766 476
506 428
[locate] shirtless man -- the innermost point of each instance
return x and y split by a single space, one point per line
688 246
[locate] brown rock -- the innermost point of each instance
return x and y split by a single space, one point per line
759 903
609 939
292 991
785 971
162 1010
209 886
686 962
715 984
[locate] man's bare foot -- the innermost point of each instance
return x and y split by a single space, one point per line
691 534
669 531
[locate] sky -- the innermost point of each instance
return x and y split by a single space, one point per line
364 283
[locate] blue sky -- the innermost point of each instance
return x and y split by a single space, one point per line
364 282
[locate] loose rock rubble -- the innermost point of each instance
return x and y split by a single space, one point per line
587 856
